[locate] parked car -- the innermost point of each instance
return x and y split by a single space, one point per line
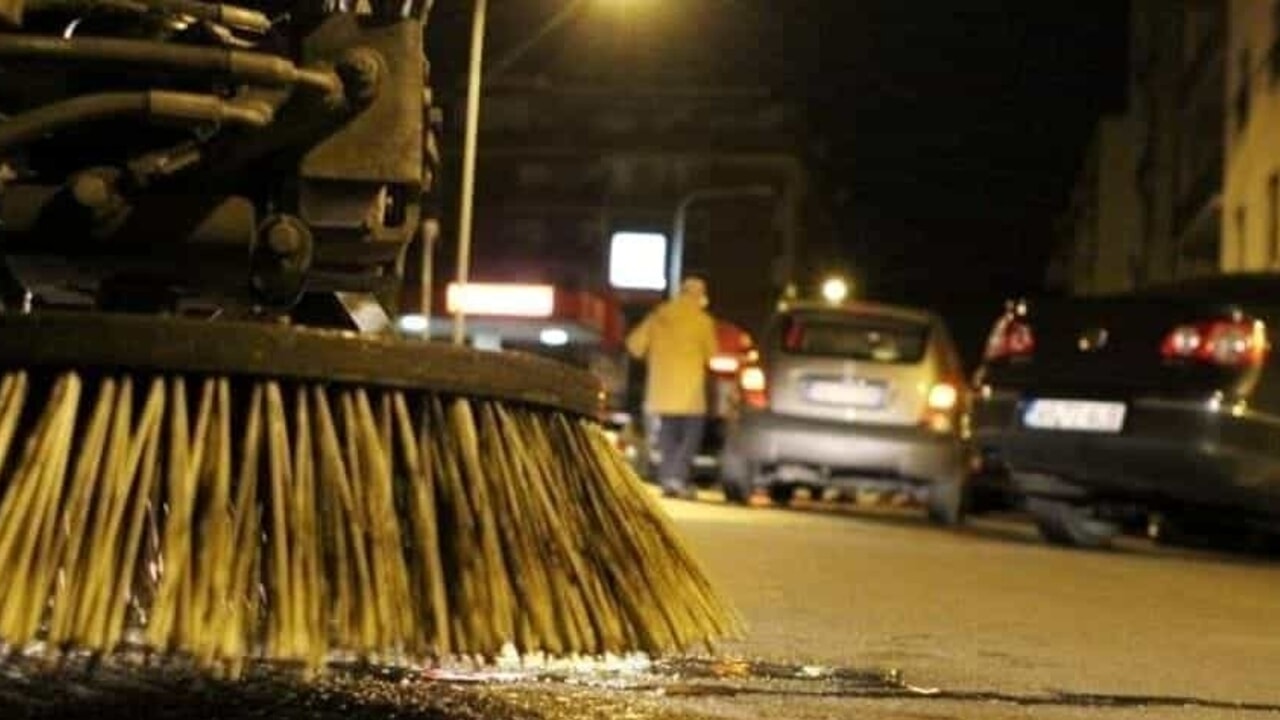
849 396
1164 404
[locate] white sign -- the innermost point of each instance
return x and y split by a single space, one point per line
1077 415
638 261
501 299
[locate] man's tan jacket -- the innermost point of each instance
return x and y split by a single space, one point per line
676 340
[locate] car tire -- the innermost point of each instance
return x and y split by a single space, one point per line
781 494
1062 523
946 504
737 490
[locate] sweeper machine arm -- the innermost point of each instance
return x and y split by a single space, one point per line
206 159
211 482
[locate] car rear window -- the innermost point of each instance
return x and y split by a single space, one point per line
855 337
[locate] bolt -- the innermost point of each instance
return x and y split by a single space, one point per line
361 73
285 238
92 190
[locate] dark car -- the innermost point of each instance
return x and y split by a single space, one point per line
849 396
1163 404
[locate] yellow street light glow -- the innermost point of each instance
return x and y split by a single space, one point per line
502 300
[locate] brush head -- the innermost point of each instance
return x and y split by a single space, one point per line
109 342
222 491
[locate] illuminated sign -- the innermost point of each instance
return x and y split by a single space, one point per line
638 261
501 299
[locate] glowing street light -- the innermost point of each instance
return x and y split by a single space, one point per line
471 132
835 290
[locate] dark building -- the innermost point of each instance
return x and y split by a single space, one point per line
1177 56
561 167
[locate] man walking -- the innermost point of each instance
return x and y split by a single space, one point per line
677 340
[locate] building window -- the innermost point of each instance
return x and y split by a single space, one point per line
1273 218
1242 89
1242 244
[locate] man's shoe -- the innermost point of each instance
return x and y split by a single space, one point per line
679 490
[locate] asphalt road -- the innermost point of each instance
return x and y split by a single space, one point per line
852 613
991 616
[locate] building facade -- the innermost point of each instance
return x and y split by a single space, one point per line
1177 91
1251 221
1099 232
1148 206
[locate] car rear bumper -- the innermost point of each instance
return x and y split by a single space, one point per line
1168 453
910 454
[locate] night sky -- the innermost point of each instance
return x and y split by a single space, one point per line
947 134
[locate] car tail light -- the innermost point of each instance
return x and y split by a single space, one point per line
1234 342
754 386
940 406
1011 337
943 397
724 364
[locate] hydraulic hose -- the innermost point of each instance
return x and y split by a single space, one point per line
155 104
229 15
233 16
246 65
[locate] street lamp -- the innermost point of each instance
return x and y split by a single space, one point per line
835 290
676 261
475 79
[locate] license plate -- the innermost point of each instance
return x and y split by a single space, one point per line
1077 415
863 395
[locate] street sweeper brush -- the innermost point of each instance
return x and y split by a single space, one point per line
210 444
228 491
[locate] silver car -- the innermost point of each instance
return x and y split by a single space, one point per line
850 396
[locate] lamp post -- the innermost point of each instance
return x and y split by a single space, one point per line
469 162
675 266
475 80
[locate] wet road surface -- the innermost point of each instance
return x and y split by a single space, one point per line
852 613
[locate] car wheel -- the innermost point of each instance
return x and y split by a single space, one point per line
946 502
781 494
737 490
1063 523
